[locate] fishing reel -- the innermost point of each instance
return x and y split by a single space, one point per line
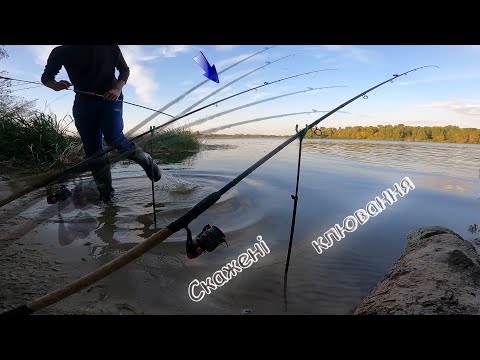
61 195
207 240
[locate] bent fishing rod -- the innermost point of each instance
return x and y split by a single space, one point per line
81 166
180 97
268 63
181 223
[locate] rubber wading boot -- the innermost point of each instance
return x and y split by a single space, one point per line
145 161
103 178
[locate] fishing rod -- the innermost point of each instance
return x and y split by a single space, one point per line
233 82
81 166
181 96
210 117
86 93
223 127
181 223
302 134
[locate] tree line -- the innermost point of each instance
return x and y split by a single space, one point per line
400 132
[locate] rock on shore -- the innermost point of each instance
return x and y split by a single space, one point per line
438 273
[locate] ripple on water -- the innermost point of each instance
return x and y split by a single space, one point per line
129 220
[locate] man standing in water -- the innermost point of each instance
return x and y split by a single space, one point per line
92 69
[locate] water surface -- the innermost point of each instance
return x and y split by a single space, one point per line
337 178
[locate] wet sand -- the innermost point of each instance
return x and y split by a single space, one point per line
44 247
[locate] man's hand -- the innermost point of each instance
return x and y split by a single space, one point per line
115 91
112 94
58 85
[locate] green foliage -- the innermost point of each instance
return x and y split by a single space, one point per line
172 146
174 140
37 141
400 132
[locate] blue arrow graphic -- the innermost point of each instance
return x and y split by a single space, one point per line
210 71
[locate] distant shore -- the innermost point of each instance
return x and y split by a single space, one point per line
399 132
253 136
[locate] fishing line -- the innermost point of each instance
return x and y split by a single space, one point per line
27 88
58 98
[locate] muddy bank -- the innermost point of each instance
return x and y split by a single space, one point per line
438 273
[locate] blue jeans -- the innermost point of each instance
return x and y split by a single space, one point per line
97 117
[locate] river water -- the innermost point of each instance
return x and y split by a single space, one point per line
337 178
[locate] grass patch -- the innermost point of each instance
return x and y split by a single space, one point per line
36 143
172 146
40 142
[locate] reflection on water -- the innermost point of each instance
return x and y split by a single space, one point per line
148 228
76 229
457 160
337 178
181 157
107 227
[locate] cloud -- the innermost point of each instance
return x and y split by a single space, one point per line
186 82
350 52
327 59
166 51
205 90
201 92
225 47
232 60
261 95
140 76
414 82
227 77
170 51
461 106
41 53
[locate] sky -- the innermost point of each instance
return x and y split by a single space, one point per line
447 95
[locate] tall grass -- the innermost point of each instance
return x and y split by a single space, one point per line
172 145
36 142
175 140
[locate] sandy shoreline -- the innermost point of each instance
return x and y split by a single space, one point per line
33 264
40 254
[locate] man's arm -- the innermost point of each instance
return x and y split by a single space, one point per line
54 64
123 69
124 73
